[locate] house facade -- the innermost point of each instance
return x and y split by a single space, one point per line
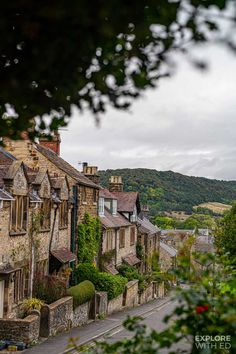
83 191
35 223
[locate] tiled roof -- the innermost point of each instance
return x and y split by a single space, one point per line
34 198
131 259
171 250
110 268
2 174
65 166
64 255
146 226
126 201
111 221
5 195
203 247
105 193
5 157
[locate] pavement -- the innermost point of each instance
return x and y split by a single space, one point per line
111 326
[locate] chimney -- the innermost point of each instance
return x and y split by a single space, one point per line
115 184
91 172
145 210
53 144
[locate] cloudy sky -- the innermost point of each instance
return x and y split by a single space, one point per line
187 124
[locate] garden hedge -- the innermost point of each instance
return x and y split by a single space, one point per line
114 285
82 292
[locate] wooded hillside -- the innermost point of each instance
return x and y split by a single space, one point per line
167 190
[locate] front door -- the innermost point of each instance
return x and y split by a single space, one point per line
1 297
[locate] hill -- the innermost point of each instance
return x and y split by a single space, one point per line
217 208
168 191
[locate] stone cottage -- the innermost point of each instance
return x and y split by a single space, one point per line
149 240
35 223
46 155
118 234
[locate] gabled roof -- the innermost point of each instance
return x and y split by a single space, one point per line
113 221
4 195
127 201
171 250
146 226
105 193
13 168
65 166
5 157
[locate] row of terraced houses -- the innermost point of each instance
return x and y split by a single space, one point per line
34 177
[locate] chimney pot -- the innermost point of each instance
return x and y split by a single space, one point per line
116 184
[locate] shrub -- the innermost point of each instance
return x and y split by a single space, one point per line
49 288
32 304
128 272
113 284
82 292
85 271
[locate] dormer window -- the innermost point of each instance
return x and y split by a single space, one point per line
114 207
101 206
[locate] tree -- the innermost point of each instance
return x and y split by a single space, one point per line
93 53
225 239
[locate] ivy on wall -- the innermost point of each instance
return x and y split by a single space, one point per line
89 234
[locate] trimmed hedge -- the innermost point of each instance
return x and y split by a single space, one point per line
81 293
114 285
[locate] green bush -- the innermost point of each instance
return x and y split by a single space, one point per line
131 274
82 292
85 271
113 284
128 272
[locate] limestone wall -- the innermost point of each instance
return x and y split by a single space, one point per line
131 294
21 330
56 317
115 305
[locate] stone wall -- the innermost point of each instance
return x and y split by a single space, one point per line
81 315
21 330
101 302
146 295
115 305
131 294
56 317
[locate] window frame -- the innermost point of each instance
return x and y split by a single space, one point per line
122 238
132 236
63 214
45 219
19 214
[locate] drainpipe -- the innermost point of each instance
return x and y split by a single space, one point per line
73 238
116 246
51 238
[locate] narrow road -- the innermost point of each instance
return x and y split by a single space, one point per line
153 312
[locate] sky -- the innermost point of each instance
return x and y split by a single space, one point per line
187 124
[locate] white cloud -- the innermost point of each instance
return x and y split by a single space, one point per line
187 124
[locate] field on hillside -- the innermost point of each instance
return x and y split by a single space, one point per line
217 208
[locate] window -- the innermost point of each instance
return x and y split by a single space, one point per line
18 286
84 195
19 213
114 206
132 236
122 238
109 241
45 220
21 284
63 214
101 206
95 196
